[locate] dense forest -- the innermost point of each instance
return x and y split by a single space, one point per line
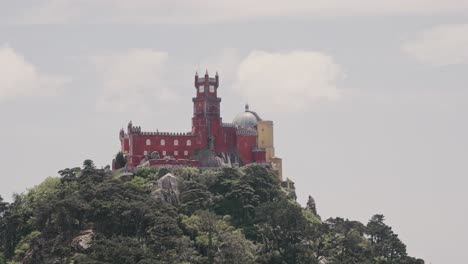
182 215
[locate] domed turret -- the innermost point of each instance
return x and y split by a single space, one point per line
247 119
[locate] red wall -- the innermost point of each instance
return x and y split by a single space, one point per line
259 156
138 146
244 147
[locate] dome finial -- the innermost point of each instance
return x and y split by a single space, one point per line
246 107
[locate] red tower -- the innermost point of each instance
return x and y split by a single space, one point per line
206 121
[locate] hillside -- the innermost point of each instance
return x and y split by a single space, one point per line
182 215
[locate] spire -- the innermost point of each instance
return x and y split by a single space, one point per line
217 74
206 73
196 73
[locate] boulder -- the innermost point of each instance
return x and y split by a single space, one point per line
83 240
126 176
166 189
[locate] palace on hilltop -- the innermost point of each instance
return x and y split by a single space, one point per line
210 143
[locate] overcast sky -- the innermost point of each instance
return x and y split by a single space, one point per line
369 98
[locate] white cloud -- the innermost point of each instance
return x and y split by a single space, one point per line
288 81
18 77
132 80
211 11
440 45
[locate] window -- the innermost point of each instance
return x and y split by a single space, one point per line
145 153
189 142
176 153
164 153
185 152
163 142
212 89
201 89
176 142
148 142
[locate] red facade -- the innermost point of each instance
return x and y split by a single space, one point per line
226 142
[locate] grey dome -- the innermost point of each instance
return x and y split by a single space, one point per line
246 119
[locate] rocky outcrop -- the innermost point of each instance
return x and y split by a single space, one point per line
83 240
311 205
126 176
167 189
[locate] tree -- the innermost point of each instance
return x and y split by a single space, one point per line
69 174
218 241
346 242
120 160
88 165
224 216
281 229
3 206
3 209
385 245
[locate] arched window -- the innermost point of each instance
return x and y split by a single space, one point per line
176 142
148 142
189 142
163 142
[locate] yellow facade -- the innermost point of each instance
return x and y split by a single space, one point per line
266 141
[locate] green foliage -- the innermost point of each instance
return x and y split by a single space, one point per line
138 181
223 216
148 173
88 165
24 245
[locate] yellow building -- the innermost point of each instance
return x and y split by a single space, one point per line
266 141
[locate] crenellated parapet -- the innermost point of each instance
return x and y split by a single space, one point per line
245 132
206 80
174 134
136 130
228 125
256 149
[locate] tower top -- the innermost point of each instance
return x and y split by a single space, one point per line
206 80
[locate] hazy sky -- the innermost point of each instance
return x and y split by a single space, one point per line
369 98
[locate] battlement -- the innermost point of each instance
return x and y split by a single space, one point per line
207 80
228 125
175 134
137 130
258 150
245 132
